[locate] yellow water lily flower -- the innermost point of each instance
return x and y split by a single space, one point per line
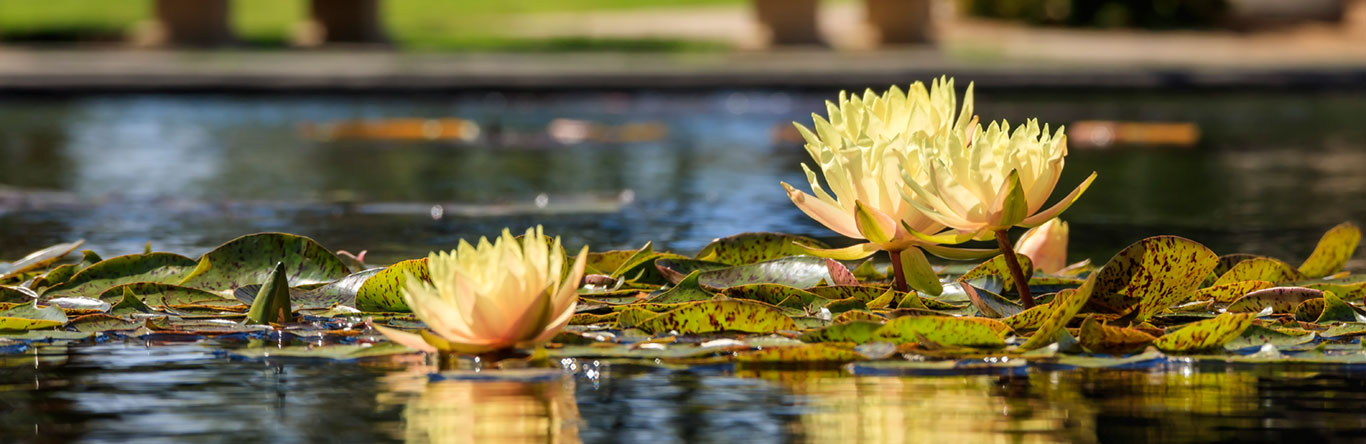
493 296
1046 245
859 152
990 181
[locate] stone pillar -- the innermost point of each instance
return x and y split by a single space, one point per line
187 23
787 22
342 21
899 21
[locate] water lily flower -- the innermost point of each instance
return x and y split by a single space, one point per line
994 179
493 296
859 151
1046 246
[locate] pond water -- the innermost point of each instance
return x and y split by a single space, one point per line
186 173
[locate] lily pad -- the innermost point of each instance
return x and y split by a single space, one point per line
1280 299
774 294
1337 310
101 323
1112 340
675 270
32 317
339 292
1310 310
1333 251
1151 275
1206 334
857 332
996 267
718 316
1260 269
16 294
687 290
39 259
990 304
1031 318
384 290
1064 307
748 248
1256 336
249 260
1227 293
793 271
167 295
945 330
150 267
804 353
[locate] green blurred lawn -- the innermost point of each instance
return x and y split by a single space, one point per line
413 24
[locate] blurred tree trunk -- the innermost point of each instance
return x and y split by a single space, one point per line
787 22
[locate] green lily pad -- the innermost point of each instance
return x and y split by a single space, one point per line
630 317
384 290
1227 293
856 331
1031 318
128 304
804 353
1257 336
101 323
1065 306
16 294
339 292
1348 292
1260 269
687 290
167 296
1280 299
1310 310
271 304
151 267
249 260
1333 251
857 315
39 259
32 317
1345 330
1335 310
718 316
990 304
774 294
1149 356
605 262
793 271
997 268
748 248
945 330
863 293
1151 275
1207 334
1112 340
675 270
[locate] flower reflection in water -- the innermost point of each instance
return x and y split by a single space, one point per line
469 411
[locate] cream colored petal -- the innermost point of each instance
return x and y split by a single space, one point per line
405 339
832 217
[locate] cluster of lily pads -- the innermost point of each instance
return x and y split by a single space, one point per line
749 299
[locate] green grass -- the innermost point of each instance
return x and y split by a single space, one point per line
413 24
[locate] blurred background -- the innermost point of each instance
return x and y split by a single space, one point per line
401 126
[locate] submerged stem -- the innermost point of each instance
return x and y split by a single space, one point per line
1021 284
899 284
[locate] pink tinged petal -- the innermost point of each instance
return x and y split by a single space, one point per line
831 216
444 319
1046 246
410 340
1061 205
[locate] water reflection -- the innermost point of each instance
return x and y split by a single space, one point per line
456 411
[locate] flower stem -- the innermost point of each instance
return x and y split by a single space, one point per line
900 283
1021 284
